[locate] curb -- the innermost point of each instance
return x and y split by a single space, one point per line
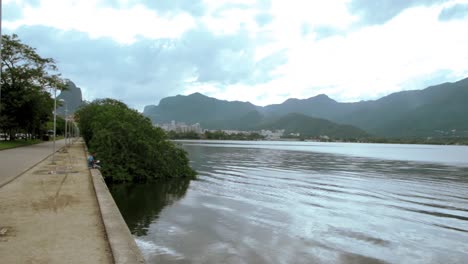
121 242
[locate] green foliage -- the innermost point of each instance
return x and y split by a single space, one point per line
186 135
26 79
60 125
130 148
221 135
216 135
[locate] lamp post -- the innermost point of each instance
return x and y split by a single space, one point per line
55 123
71 131
0 57
66 121
72 128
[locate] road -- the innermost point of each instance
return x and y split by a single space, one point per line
17 160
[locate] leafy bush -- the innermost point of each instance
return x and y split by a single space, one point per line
130 148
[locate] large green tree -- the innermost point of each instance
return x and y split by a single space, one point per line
128 145
26 82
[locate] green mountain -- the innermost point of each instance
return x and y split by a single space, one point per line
249 121
430 112
440 110
320 106
435 111
314 127
72 99
197 108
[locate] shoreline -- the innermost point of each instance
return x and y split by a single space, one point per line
332 141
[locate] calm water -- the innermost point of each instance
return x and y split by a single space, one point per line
283 202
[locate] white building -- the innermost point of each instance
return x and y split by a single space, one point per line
272 135
232 132
181 127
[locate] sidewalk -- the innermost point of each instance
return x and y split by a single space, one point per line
50 214
17 160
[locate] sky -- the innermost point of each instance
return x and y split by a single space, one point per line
261 51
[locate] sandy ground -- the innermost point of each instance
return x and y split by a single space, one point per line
50 214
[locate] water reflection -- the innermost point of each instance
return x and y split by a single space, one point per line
142 203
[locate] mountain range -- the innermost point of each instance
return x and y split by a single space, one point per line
439 110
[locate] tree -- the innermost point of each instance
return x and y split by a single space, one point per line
128 145
26 81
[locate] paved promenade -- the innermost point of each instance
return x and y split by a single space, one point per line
50 213
17 160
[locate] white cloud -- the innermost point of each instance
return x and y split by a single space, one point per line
122 25
375 61
358 62
366 63
291 14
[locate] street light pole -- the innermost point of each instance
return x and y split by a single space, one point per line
72 129
55 123
66 122
0 58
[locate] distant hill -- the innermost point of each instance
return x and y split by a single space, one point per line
72 97
250 121
442 107
434 111
197 108
419 113
314 127
319 106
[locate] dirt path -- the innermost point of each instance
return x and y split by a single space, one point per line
50 214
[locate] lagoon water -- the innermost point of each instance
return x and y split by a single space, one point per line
305 202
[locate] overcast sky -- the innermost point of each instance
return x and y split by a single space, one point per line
249 50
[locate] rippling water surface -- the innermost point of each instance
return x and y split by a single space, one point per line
306 203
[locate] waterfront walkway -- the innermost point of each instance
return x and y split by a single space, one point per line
50 214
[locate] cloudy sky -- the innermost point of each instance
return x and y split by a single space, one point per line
262 51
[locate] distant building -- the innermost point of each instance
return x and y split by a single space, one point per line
232 132
181 127
272 135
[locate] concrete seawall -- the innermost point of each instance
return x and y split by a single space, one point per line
62 212
121 241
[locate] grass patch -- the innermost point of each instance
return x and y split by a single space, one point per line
18 143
